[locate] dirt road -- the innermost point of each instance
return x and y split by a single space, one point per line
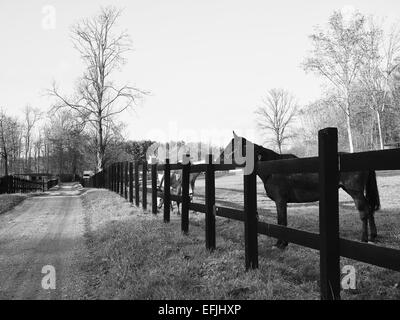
44 230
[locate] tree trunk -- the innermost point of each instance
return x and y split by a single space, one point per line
279 146
378 120
349 132
6 166
47 158
100 149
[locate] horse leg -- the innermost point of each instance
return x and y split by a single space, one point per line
364 231
160 203
191 192
372 227
281 208
179 193
364 210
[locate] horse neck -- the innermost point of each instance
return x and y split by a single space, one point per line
266 154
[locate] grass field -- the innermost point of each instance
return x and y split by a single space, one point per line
134 255
305 216
9 201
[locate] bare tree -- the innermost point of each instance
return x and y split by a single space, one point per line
9 129
337 55
3 140
276 114
98 100
67 142
32 116
381 53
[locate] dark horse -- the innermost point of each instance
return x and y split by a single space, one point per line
304 187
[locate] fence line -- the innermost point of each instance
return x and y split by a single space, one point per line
11 184
328 165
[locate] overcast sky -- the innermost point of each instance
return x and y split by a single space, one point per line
206 63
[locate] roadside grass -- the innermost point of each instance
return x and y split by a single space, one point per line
135 255
9 201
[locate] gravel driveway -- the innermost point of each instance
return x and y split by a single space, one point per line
43 230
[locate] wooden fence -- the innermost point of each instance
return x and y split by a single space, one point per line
11 184
120 176
51 183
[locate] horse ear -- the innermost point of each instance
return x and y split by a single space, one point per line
234 134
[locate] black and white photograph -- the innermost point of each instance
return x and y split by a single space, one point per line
200 158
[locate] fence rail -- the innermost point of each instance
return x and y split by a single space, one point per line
12 184
327 166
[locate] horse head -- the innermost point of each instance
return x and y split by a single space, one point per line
242 145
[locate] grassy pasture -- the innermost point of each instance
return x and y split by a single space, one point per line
134 255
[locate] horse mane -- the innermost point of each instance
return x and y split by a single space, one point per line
267 154
261 153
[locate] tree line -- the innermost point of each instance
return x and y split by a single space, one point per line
81 130
357 57
59 143
359 61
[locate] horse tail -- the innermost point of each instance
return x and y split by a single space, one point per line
371 192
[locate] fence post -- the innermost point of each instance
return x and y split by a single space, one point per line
10 184
111 177
185 194
153 186
130 182
250 216
117 177
110 186
167 191
126 179
1 185
105 178
329 214
144 185
210 204
121 190
137 183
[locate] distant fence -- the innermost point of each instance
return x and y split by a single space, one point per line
12 184
123 178
51 183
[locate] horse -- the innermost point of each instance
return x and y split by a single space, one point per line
304 187
176 186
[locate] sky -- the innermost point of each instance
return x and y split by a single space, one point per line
207 64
